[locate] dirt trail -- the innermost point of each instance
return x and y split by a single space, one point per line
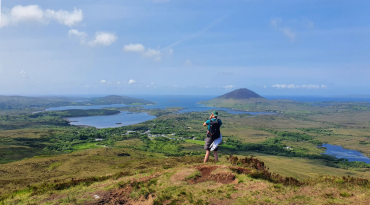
207 175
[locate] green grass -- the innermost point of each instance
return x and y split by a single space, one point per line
196 142
83 146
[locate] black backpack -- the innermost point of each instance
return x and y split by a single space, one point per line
214 131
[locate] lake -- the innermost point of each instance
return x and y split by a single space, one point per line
189 103
340 152
111 120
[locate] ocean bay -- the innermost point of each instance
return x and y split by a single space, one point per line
189 103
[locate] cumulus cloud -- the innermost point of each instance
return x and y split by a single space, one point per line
131 81
26 13
103 81
134 48
103 39
152 53
78 34
139 48
292 86
228 86
64 17
34 13
311 86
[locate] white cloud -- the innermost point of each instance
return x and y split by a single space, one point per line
131 81
118 82
311 86
228 86
283 86
23 74
103 39
188 63
152 53
134 48
264 86
170 51
152 83
64 17
292 86
26 13
80 35
34 13
103 81
139 48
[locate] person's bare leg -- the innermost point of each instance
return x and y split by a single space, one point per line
207 156
215 155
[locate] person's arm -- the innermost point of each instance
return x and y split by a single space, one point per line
206 123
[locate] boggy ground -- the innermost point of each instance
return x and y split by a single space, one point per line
235 181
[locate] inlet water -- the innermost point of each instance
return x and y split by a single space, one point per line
340 152
189 103
122 119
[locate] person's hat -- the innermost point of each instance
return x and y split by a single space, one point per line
215 113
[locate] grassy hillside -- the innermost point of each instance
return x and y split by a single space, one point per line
111 176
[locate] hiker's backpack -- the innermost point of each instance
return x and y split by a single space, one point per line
214 131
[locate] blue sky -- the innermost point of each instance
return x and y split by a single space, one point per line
273 47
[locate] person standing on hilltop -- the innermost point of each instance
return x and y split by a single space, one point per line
213 135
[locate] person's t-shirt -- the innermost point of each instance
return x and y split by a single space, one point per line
208 122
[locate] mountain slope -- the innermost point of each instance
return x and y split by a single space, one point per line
241 99
242 93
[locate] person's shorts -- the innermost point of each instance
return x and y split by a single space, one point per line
209 141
